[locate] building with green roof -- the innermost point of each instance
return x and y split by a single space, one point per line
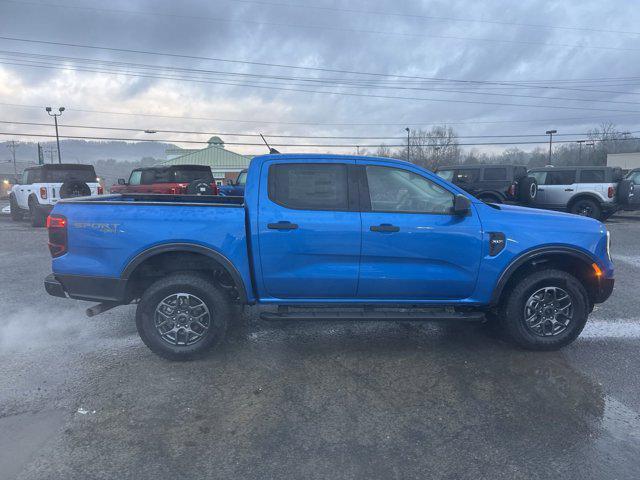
224 163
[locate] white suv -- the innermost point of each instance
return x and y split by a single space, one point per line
592 191
42 186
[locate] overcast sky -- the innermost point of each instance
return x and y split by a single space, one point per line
586 50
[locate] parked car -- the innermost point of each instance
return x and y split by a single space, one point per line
592 191
633 176
234 188
492 183
42 186
330 237
172 180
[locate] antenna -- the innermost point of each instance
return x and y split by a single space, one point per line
271 150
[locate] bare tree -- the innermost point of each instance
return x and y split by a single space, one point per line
438 146
384 151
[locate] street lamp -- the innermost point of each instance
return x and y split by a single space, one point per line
55 119
408 133
550 133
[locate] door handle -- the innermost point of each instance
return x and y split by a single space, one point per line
384 227
284 225
568 189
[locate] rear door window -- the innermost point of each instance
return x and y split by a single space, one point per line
67 174
592 176
309 186
188 175
495 173
560 177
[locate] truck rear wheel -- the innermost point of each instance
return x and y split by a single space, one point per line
38 217
16 213
183 315
544 311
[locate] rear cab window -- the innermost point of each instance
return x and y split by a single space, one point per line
467 175
66 173
308 186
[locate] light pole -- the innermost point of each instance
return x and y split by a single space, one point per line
408 140
55 119
550 133
580 142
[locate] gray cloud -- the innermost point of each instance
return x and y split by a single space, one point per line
266 32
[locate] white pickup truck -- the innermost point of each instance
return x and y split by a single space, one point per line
40 188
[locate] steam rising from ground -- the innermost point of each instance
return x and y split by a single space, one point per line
39 328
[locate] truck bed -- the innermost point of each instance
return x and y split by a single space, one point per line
106 233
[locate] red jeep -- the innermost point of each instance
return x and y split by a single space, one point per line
172 180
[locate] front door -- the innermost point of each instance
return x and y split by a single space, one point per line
309 230
413 247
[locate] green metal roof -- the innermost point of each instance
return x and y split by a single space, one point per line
215 157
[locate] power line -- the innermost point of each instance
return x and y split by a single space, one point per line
122 139
328 124
257 135
341 29
349 83
339 93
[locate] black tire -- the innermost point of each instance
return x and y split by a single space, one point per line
16 213
489 198
623 192
38 217
587 208
527 189
200 187
74 188
217 302
512 310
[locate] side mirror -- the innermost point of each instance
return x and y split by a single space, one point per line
461 205
122 181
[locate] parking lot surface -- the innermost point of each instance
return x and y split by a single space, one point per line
84 398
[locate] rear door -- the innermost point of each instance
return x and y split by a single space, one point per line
593 180
413 247
559 187
309 230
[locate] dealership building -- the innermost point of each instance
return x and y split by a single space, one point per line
224 163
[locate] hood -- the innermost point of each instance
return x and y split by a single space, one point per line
546 221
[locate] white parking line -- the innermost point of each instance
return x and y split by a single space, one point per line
633 260
612 329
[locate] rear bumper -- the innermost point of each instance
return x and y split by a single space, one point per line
80 287
604 290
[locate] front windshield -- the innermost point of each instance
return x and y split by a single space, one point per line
446 174
242 178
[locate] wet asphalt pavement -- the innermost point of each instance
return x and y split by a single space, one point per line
83 398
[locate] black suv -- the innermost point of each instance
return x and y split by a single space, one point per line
493 183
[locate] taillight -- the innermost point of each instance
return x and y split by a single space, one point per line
100 190
611 192
43 193
57 226
214 187
512 190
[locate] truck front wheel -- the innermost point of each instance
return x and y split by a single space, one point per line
181 316
546 310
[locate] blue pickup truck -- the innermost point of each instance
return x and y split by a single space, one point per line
329 237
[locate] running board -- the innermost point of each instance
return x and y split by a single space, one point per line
372 314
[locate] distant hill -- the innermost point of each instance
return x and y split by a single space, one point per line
112 160
83 151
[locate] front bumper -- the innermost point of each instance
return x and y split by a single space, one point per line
604 290
81 287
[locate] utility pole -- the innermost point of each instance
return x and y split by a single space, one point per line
408 144
12 145
55 119
550 133
580 142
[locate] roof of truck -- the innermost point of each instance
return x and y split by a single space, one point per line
325 156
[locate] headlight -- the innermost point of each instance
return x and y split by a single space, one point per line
609 245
